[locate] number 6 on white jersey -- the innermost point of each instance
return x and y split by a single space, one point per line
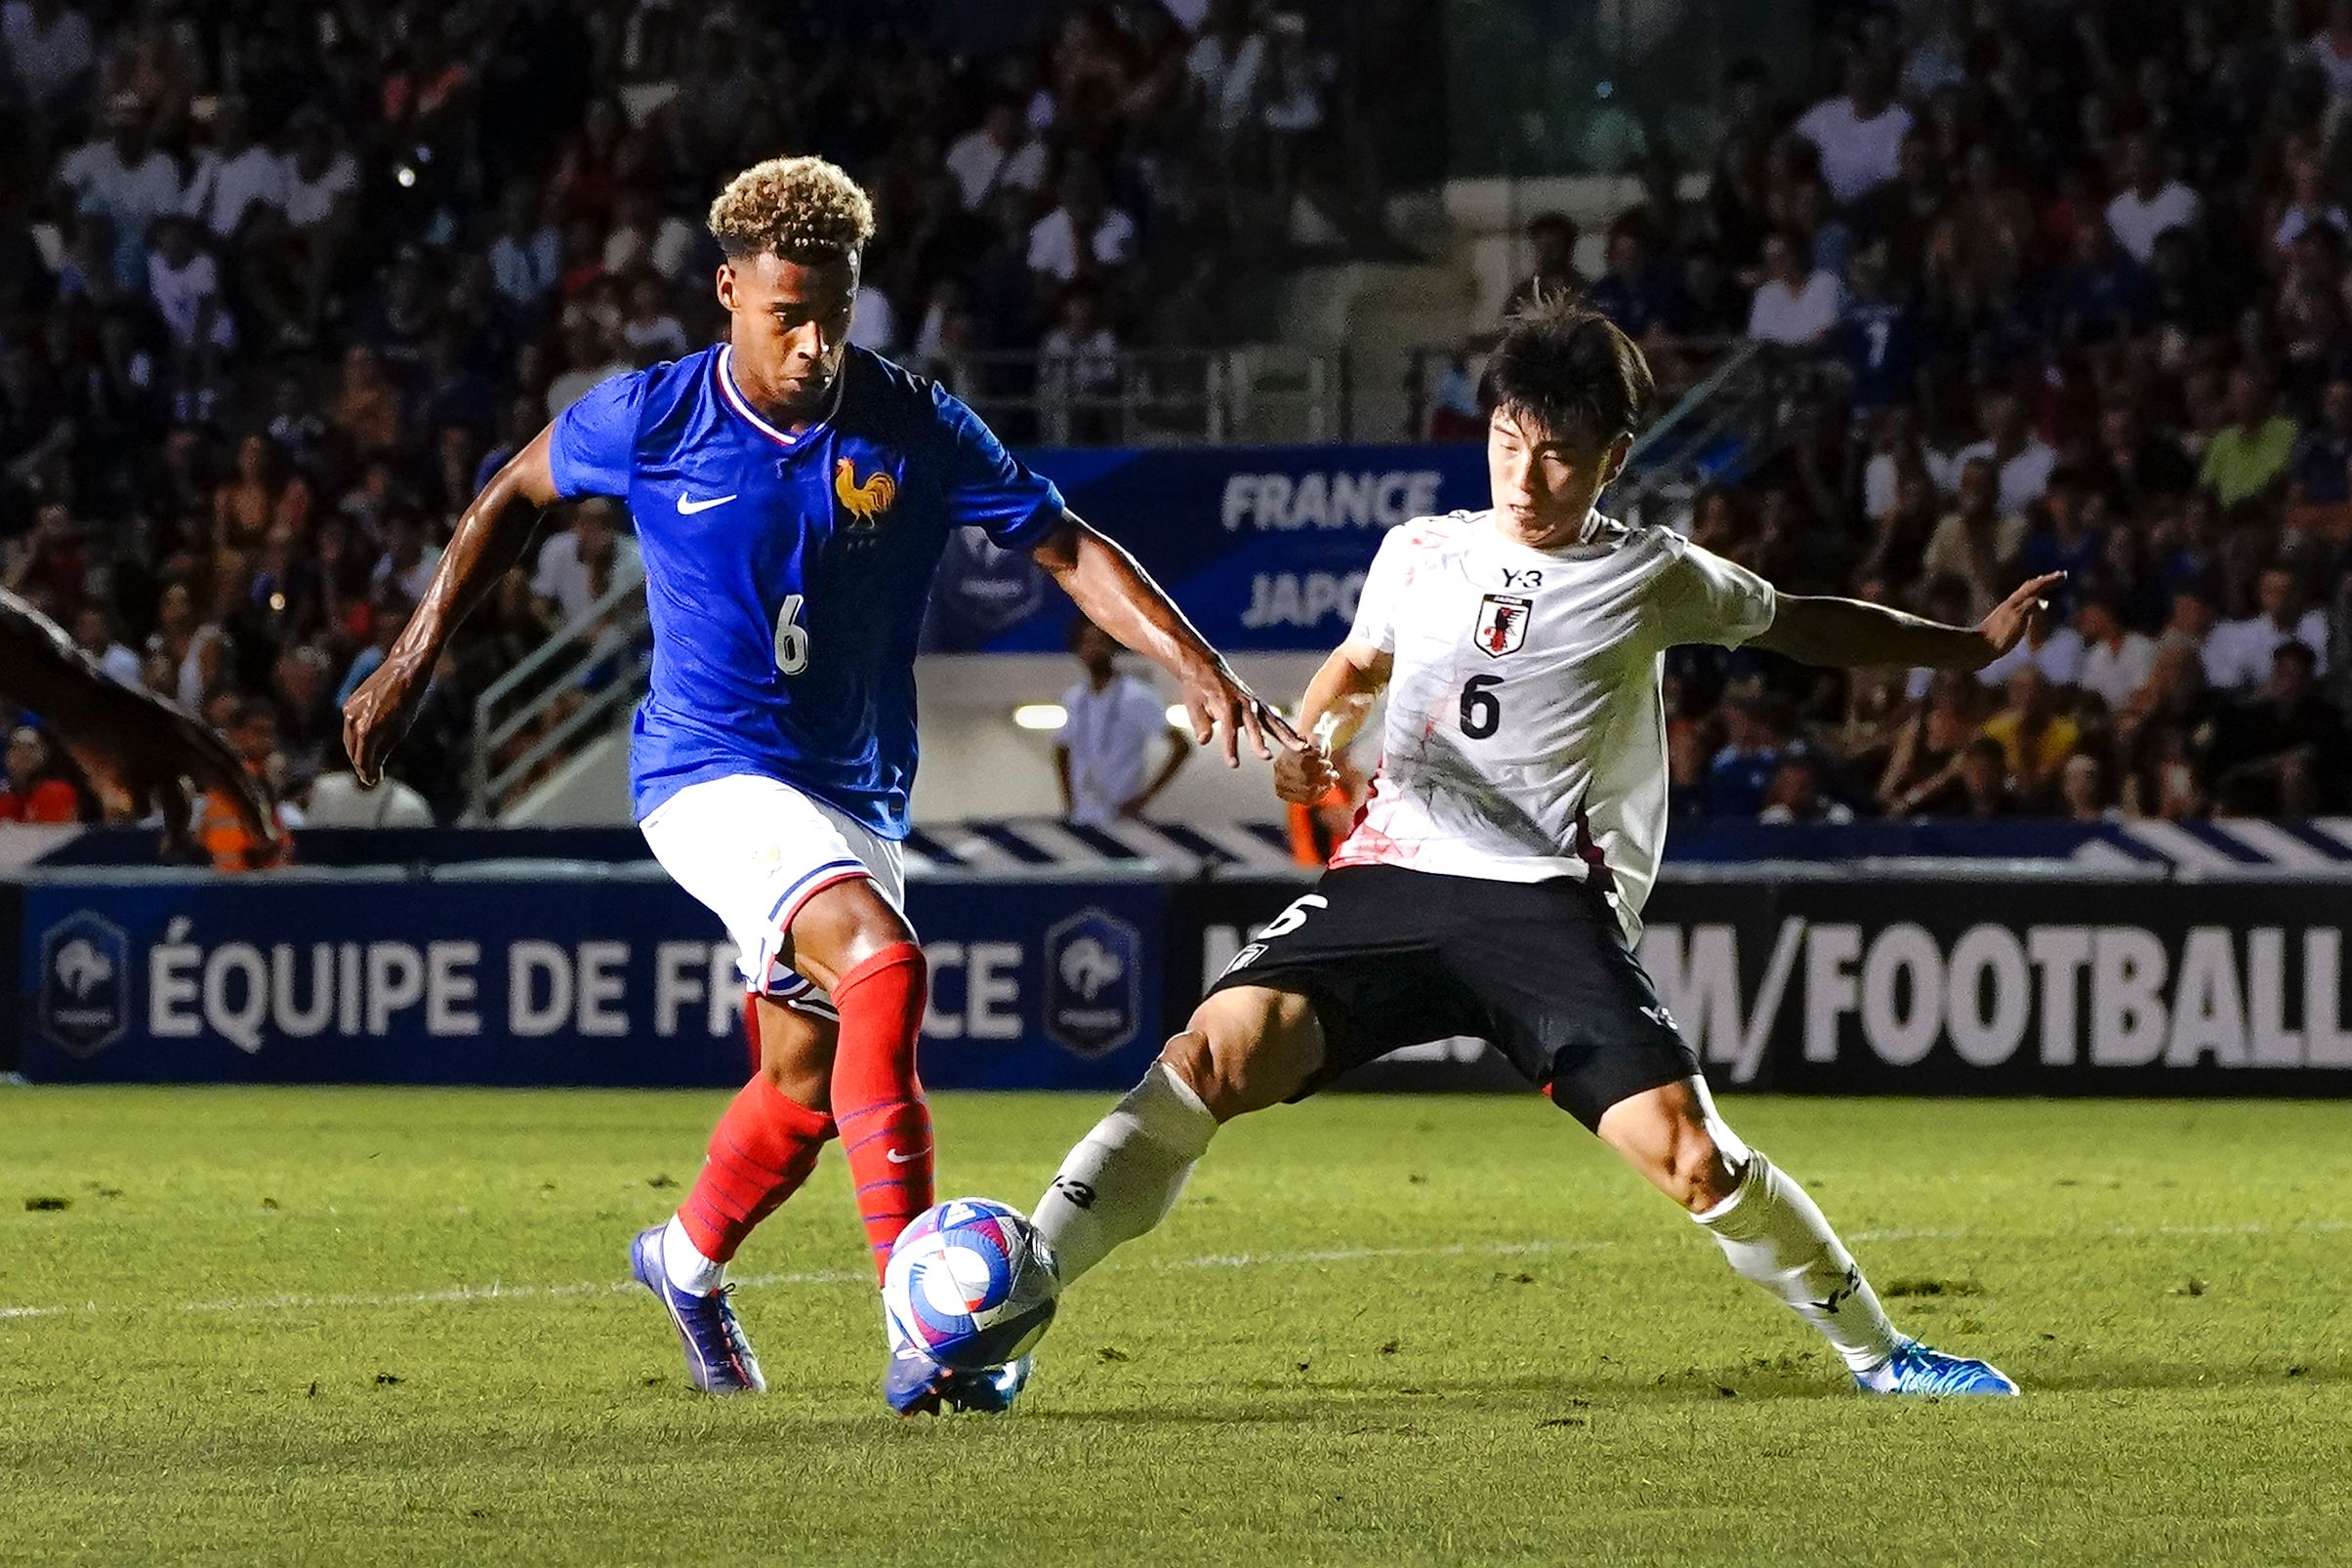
792 637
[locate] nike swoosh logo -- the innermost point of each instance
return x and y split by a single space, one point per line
896 1158
687 507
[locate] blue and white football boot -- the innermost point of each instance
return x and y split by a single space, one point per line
719 1357
1915 1369
915 1384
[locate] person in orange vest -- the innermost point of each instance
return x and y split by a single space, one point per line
221 825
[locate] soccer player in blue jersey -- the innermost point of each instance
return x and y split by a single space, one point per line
792 497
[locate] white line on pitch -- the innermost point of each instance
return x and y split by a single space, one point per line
465 1294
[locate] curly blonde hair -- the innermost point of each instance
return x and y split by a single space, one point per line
792 207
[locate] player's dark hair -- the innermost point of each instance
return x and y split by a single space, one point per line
1566 369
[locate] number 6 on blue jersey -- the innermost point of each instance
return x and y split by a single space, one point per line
792 637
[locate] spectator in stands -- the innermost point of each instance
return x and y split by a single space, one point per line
252 730
1859 135
1755 742
122 178
2021 459
95 633
2115 660
335 801
1081 236
40 784
2238 655
2147 202
2250 456
2086 793
1631 293
1000 151
578 566
2320 473
1922 774
1102 755
1976 540
2286 752
1552 236
236 181
1796 795
2035 738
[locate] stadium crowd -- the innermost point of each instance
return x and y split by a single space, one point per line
2042 287
280 285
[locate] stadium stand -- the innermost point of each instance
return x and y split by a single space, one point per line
278 287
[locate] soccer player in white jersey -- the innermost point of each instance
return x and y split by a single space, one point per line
1494 883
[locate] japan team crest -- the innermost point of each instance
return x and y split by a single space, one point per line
1502 623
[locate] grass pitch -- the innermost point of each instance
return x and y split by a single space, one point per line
361 1326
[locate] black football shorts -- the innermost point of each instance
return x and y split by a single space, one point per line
1392 957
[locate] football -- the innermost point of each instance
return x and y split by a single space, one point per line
972 1283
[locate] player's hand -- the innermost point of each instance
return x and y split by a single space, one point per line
2014 616
380 712
1221 703
1305 776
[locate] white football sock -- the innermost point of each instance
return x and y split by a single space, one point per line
1124 1176
1773 1234
687 1268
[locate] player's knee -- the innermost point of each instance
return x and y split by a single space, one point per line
1697 1171
1237 1059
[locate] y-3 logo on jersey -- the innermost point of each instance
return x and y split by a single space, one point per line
1522 577
1501 623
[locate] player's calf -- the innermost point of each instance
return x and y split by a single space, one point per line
1244 1050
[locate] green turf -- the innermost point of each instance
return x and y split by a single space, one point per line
1379 1330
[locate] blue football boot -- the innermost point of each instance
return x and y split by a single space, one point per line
719 1357
915 1384
1915 1369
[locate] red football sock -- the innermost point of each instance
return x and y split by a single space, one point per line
763 1149
878 1103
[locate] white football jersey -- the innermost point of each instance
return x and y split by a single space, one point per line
1525 735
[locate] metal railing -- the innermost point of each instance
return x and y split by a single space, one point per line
565 692
1153 396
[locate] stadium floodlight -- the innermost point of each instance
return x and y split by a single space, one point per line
1040 715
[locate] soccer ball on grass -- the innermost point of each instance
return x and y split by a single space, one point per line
970 1283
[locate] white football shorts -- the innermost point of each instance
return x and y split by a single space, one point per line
754 851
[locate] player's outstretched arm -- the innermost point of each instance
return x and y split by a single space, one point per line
142 745
489 539
1120 597
1847 631
1338 701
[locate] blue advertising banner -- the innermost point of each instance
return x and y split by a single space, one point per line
1265 547
619 981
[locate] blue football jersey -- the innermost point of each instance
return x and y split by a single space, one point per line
786 575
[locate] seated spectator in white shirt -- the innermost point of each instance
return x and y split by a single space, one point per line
651 331
186 288
998 151
2115 660
2054 649
1227 65
1795 794
1104 753
122 179
2148 203
235 177
1859 136
579 566
1109 235
2238 653
337 800
526 259
2023 460
1792 306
